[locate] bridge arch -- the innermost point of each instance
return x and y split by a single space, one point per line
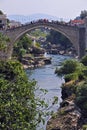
62 29
71 32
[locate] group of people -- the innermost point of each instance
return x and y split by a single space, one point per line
41 21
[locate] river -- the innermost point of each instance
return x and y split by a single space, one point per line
47 79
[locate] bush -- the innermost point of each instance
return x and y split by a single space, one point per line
72 76
81 99
4 41
22 47
73 70
84 60
69 66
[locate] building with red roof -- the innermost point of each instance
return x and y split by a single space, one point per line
77 22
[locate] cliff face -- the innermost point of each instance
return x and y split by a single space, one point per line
72 114
68 116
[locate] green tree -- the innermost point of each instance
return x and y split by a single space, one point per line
83 14
57 38
26 42
19 107
4 40
81 98
73 70
69 66
22 47
84 60
22 52
17 101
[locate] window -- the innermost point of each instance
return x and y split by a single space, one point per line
0 21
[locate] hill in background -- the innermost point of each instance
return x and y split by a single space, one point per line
24 19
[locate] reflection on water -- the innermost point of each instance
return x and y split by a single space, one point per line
47 79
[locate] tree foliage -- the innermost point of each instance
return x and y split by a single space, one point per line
84 60
22 47
81 99
4 40
19 107
57 38
73 70
17 99
83 14
69 66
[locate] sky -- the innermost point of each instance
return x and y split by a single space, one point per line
68 9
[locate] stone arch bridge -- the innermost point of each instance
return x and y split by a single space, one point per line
76 34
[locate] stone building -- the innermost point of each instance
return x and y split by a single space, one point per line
3 21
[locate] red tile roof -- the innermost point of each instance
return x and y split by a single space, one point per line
77 21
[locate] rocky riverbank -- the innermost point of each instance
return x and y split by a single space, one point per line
34 62
72 114
69 115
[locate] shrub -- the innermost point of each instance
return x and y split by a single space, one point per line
73 70
69 66
4 40
81 99
72 76
84 60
